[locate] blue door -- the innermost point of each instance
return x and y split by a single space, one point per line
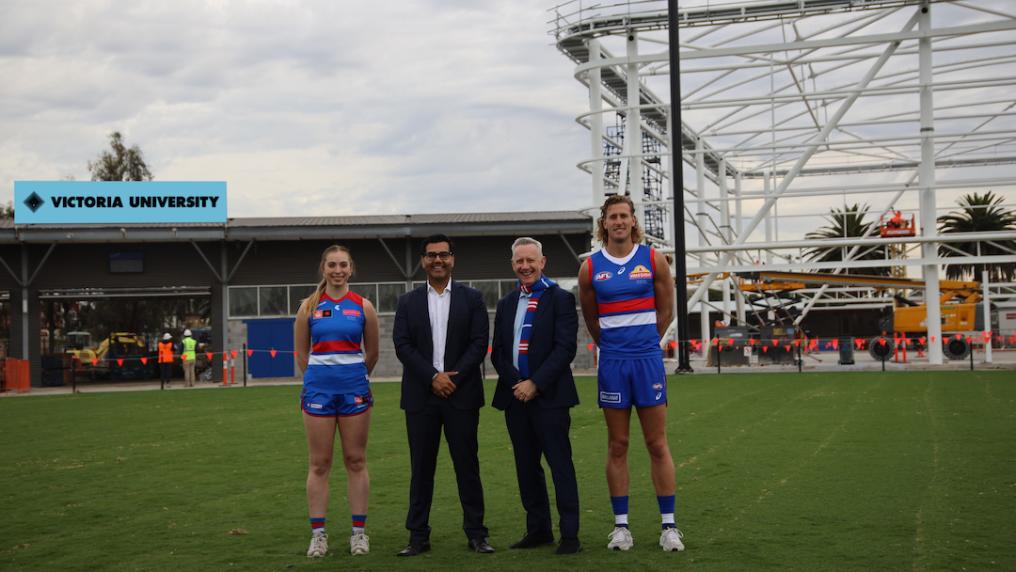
266 335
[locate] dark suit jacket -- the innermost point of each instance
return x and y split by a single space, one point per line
551 349
465 347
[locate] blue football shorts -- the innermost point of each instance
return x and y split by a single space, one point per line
319 403
641 382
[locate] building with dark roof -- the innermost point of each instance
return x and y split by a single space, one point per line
254 271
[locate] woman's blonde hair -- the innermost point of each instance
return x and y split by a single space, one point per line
312 300
601 228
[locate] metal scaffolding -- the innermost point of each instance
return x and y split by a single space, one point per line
790 108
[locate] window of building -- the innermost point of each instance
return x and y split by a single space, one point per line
243 301
284 300
490 290
388 296
297 294
273 300
367 290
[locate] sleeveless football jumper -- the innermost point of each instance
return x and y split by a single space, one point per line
335 382
631 361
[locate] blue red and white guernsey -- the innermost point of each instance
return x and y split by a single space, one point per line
626 303
335 382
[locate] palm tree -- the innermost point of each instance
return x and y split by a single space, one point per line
847 222
123 164
979 213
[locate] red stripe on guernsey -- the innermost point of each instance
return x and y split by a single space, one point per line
624 306
336 346
652 260
352 296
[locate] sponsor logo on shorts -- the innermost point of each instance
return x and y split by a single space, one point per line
659 395
657 387
639 272
610 397
315 406
358 400
601 276
353 312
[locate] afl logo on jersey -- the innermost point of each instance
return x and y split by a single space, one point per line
639 272
601 276
318 314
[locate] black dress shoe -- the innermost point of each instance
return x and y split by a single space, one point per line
568 546
532 540
480 545
414 549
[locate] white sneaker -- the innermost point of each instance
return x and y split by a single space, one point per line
318 546
670 540
620 539
359 543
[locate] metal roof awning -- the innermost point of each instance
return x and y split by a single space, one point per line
306 228
123 293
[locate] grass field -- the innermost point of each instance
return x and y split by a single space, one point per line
860 471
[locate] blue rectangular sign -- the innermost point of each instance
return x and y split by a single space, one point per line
99 202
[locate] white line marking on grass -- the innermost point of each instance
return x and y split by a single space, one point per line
918 548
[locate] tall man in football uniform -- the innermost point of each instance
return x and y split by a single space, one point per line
627 297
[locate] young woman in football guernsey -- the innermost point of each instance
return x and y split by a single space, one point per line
627 297
336 341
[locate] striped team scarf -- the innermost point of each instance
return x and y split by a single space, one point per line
535 292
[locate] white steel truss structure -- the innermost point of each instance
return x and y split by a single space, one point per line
790 108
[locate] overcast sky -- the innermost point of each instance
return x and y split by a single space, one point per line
303 107
319 107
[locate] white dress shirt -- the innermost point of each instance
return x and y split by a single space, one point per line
438 306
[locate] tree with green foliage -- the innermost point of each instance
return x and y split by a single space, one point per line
848 222
979 213
120 163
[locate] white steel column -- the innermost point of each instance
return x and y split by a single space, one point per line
775 214
926 182
767 190
701 219
668 234
739 296
985 278
725 229
633 129
675 187
596 122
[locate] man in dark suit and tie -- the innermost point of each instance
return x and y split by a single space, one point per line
534 344
440 335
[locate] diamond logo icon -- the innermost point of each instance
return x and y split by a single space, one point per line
34 201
